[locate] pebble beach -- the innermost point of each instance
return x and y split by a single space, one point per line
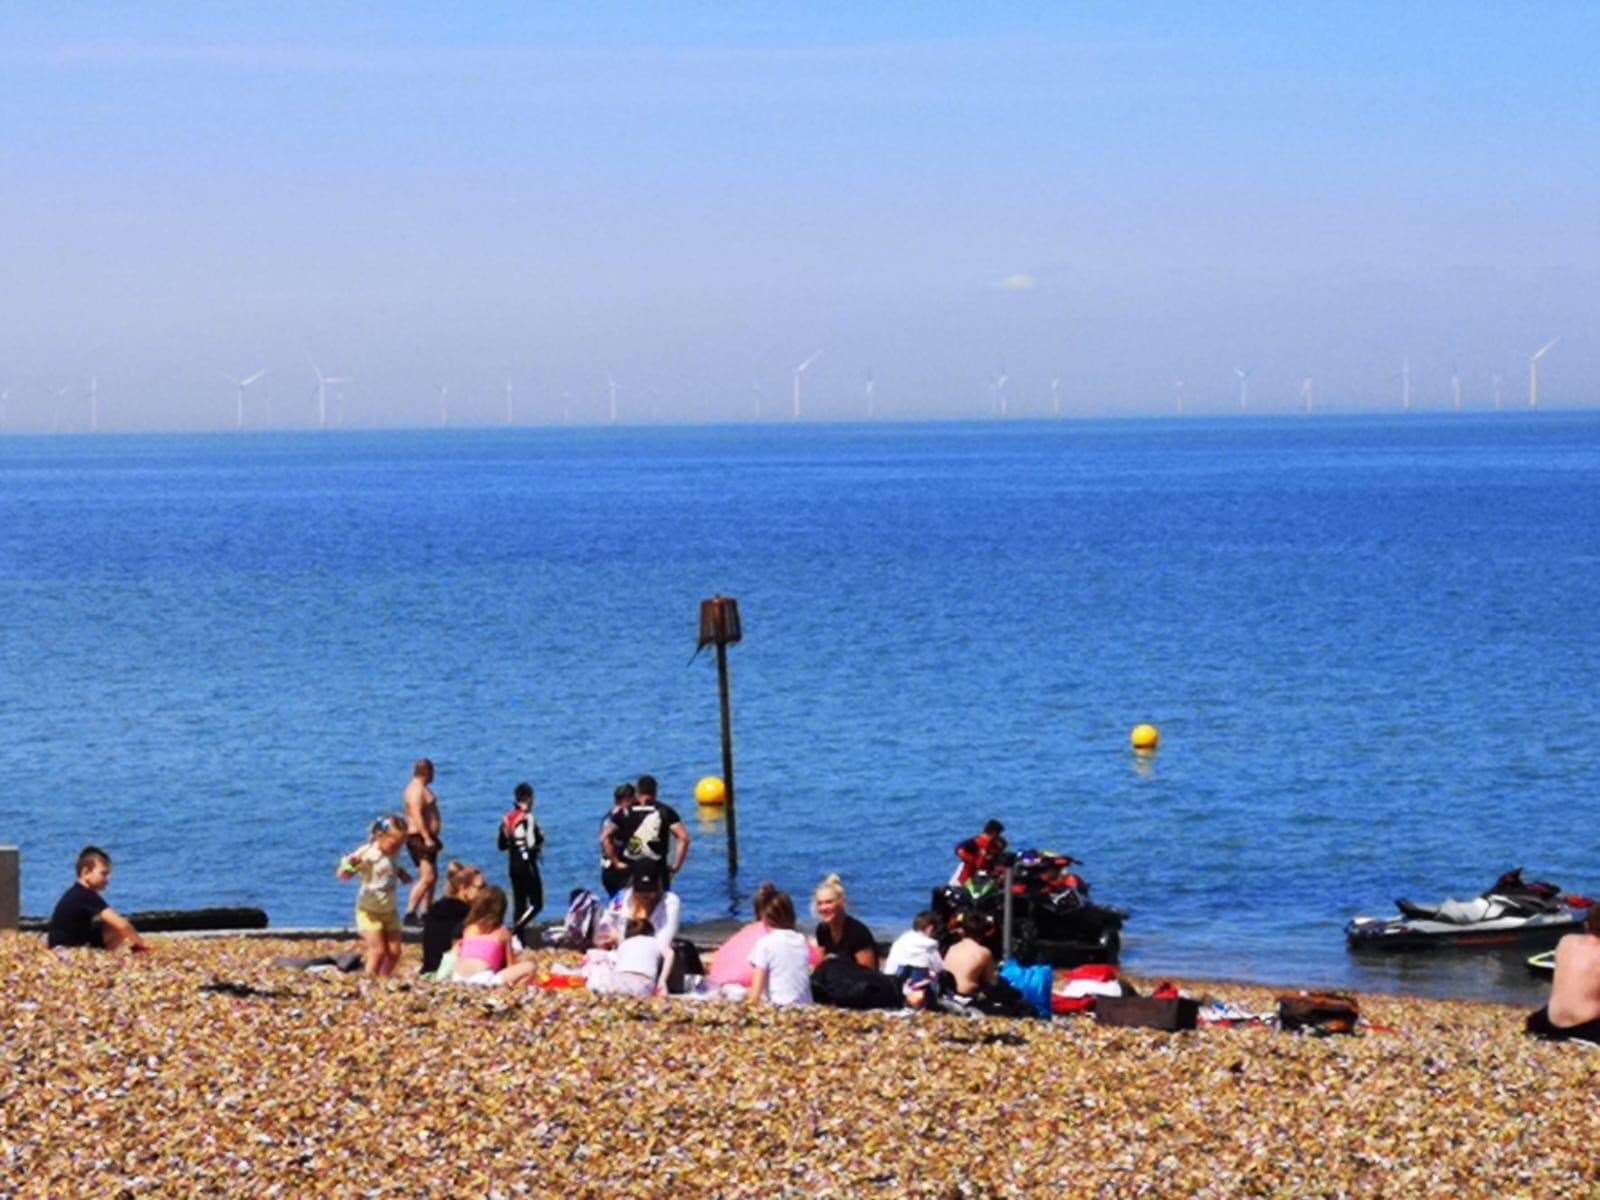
125 1076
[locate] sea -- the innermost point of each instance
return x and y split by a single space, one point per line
1371 646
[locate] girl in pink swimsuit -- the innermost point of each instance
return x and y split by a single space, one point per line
483 953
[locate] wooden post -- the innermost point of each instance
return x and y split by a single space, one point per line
10 887
727 759
1005 928
719 627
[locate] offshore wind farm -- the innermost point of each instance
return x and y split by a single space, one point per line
1163 436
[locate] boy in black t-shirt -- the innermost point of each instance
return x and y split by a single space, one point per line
83 918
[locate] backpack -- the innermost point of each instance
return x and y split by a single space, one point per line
576 931
1318 1013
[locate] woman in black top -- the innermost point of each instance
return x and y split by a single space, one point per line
441 924
838 933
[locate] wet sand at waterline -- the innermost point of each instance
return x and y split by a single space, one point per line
120 1076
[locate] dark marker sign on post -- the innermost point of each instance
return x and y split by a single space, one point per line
719 627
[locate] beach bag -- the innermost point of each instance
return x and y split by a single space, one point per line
1147 1012
1320 1013
685 961
845 984
576 931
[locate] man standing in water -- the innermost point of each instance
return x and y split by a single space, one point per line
650 827
422 838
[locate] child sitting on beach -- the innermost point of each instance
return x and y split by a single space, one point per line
633 969
914 960
782 958
483 955
83 918
377 918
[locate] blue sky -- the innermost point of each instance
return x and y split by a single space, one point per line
693 198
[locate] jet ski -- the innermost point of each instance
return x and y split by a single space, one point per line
1053 919
1514 911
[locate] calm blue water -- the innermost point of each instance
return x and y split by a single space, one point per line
1371 646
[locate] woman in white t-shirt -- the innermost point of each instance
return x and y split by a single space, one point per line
782 958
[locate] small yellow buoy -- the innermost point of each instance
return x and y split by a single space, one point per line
1145 738
711 792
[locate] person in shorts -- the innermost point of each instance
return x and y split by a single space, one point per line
422 838
83 918
377 915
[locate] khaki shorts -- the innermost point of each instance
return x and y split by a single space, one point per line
388 922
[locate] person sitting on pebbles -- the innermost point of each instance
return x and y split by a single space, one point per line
644 899
483 955
1573 1013
83 918
914 960
969 963
838 933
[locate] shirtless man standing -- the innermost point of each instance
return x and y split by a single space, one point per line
1574 1008
422 838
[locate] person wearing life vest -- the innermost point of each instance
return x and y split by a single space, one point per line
523 841
981 854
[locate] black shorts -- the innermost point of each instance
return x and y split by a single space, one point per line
420 851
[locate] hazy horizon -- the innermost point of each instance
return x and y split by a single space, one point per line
694 200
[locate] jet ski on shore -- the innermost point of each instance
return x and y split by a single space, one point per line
1514 912
1053 919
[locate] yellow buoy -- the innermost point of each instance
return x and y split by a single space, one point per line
711 792
1145 738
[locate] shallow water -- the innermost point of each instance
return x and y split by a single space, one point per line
1370 646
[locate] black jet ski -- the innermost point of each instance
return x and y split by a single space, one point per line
1514 912
1053 919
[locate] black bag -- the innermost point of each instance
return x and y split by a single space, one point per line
1146 1012
845 984
685 961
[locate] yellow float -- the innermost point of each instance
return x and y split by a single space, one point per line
711 792
1145 738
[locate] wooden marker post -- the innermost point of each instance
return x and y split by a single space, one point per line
719 627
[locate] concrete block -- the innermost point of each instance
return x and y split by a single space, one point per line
10 887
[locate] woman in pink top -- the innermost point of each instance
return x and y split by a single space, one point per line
483 952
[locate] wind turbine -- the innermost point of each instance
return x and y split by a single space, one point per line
1244 387
872 388
62 393
1177 388
798 372
509 419
323 383
241 384
1055 397
5 394
1308 393
999 390
444 405
94 404
611 390
1494 378
1533 371
1455 389
1405 384
756 388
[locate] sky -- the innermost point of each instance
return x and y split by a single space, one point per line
1095 200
